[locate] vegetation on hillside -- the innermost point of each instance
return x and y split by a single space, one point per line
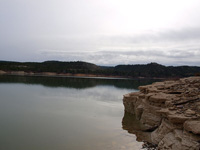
79 67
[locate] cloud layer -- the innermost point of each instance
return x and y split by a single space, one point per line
106 32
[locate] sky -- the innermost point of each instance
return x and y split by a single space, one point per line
104 32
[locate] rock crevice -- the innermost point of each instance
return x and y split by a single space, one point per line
169 111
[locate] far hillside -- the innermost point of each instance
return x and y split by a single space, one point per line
151 70
157 70
50 66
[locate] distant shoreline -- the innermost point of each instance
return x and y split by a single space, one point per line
85 69
53 74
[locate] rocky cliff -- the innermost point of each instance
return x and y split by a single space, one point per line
167 114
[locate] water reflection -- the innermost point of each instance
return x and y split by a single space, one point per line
78 114
134 126
75 82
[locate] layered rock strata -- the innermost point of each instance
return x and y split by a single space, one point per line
169 113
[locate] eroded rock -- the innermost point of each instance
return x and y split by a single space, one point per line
192 126
170 110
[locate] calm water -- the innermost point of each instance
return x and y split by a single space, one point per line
51 113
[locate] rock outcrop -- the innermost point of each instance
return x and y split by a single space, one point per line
169 112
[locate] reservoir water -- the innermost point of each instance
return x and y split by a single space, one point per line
57 113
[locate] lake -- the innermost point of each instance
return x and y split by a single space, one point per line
62 113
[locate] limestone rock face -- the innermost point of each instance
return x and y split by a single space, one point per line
169 111
192 126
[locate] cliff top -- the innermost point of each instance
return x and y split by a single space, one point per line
178 97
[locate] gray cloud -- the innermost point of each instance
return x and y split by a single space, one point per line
173 57
165 48
178 35
99 32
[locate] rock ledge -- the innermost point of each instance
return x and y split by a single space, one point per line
169 112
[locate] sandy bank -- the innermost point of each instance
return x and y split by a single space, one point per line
52 74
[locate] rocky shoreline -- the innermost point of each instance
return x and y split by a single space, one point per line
165 114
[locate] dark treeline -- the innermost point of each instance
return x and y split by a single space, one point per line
50 66
148 70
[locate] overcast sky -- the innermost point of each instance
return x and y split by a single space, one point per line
104 32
